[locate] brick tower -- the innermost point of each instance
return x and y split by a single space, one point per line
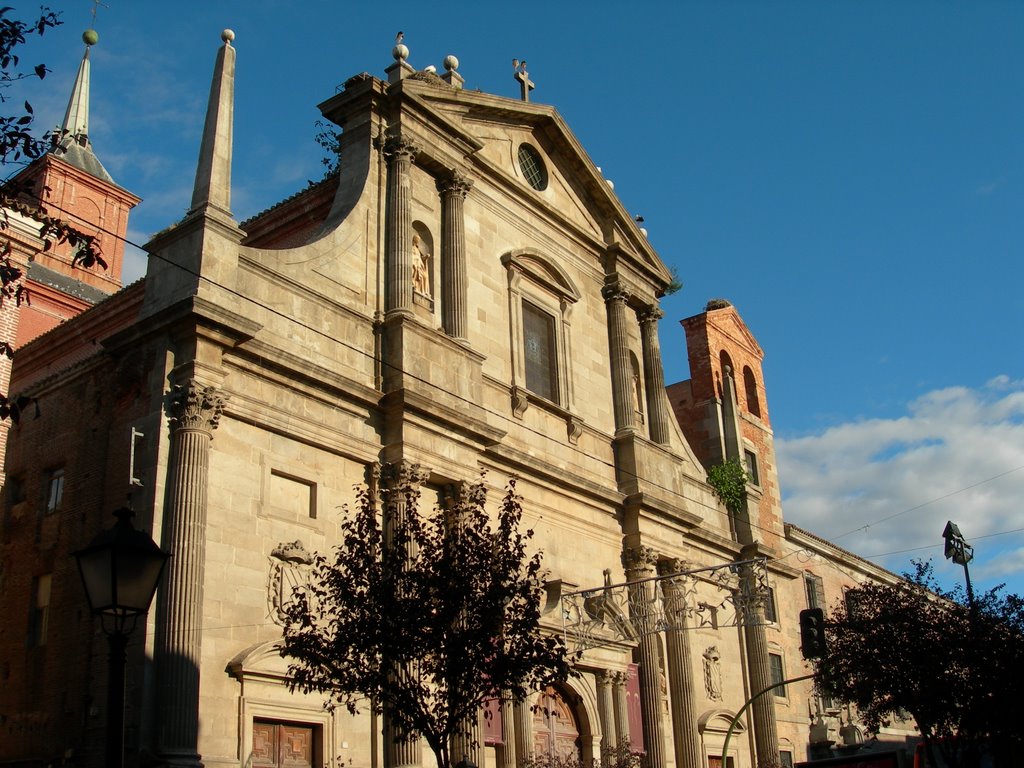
723 410
70 183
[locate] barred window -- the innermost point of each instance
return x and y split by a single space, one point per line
532 166
769 607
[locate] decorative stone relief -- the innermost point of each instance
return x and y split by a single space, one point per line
290 570
713 673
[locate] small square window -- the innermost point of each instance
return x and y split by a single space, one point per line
777 674
54 489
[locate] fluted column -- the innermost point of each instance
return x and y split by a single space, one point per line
766 735
606 711
507 755
618 342
523 717
454 291
195 410
620 700
639 563
398 266
654 377
399 484
686 739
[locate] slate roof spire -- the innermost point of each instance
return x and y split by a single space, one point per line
75 147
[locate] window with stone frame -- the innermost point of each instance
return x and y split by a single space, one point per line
541 298
815 589
750 464
785 758
540 352
770 613
778 674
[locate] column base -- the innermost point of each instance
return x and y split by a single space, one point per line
171 758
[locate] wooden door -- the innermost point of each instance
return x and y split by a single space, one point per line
281 745
555 731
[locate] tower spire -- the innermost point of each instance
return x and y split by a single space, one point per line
76 118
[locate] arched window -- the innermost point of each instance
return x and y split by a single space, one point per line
750 387
726 368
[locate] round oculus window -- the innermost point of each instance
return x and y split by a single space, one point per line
532 166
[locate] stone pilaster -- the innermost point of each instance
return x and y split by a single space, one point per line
194 410
639 563
605 710
618 343
454 300
620 700
686 739
766 735
654 377
398 266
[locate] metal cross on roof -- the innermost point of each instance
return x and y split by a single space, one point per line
523 77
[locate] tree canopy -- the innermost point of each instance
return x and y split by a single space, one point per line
424 616
912 647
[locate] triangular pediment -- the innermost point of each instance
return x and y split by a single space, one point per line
574 190
728 322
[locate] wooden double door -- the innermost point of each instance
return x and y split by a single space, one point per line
282 745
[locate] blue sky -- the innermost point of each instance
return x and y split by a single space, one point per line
849 174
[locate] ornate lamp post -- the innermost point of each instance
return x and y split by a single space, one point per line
961 553
120 569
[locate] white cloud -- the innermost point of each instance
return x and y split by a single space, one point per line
885 485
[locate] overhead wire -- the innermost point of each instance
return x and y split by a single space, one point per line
523 426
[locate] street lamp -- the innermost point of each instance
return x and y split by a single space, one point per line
120 569
961 553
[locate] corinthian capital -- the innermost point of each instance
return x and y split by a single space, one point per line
454 183
195 406
651 315
402 475
615 292
397 147
639 559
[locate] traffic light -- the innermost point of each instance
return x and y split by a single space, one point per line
812 633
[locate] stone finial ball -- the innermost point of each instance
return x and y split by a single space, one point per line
227 35
400 52
90 37
451 63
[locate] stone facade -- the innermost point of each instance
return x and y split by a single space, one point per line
467 294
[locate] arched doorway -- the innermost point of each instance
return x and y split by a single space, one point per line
556 729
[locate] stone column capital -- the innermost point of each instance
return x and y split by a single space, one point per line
401 474
195 406
454 184
639 559
668 566
399 148
650 315
614 292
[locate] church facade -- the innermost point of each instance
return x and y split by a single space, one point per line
467 294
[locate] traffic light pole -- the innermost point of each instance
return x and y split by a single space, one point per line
745 707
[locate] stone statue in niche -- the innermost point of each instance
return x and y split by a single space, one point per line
713 673
420 266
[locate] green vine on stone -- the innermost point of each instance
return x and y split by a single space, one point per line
729 481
